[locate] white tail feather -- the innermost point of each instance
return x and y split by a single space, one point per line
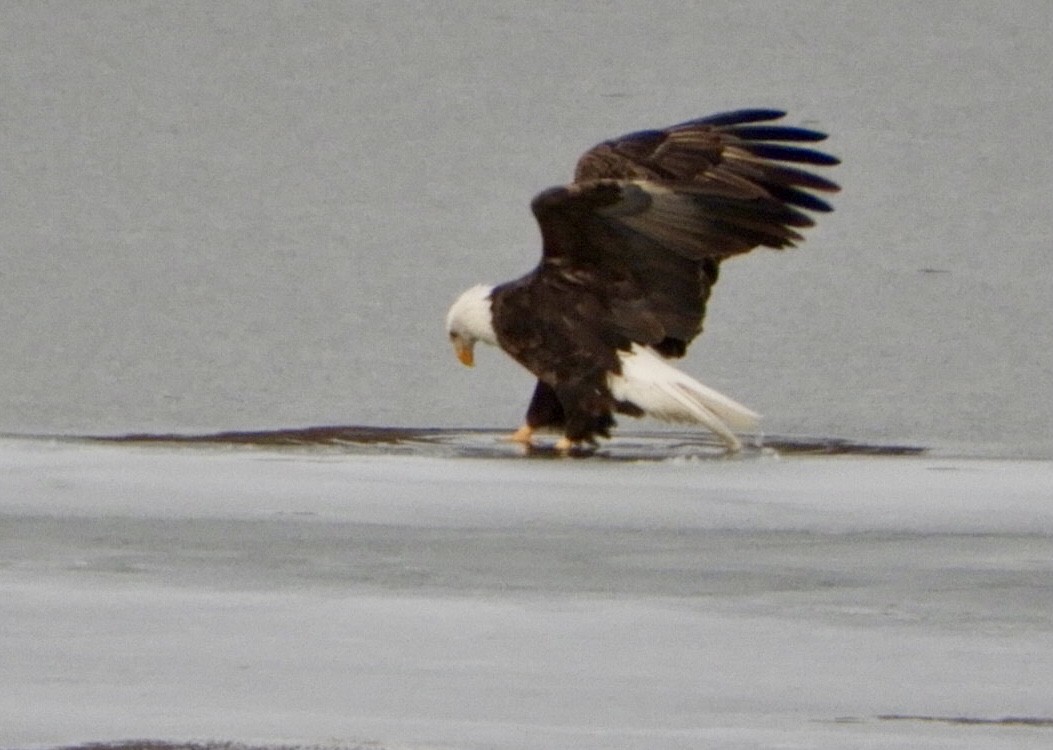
666 393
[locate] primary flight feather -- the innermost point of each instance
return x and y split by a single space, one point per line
630 251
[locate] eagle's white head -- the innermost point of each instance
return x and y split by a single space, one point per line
471 319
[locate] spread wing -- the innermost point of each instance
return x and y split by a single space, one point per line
728 154
650 215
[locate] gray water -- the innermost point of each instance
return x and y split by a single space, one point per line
247 220
253 215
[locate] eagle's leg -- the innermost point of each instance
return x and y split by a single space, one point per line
544 412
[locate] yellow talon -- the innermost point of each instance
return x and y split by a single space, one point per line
565 445
523 435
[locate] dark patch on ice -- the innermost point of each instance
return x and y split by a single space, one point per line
488 443
1006 721
161 745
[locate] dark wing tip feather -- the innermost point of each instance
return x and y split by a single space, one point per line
782 174
796 197
778 152
775 133
735 117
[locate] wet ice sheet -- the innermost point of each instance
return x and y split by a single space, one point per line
323 597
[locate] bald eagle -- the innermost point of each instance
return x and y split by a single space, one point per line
631 249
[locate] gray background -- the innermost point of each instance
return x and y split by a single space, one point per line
247 215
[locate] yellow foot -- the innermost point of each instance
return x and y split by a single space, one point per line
522 436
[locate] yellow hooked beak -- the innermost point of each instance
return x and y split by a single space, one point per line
465 351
